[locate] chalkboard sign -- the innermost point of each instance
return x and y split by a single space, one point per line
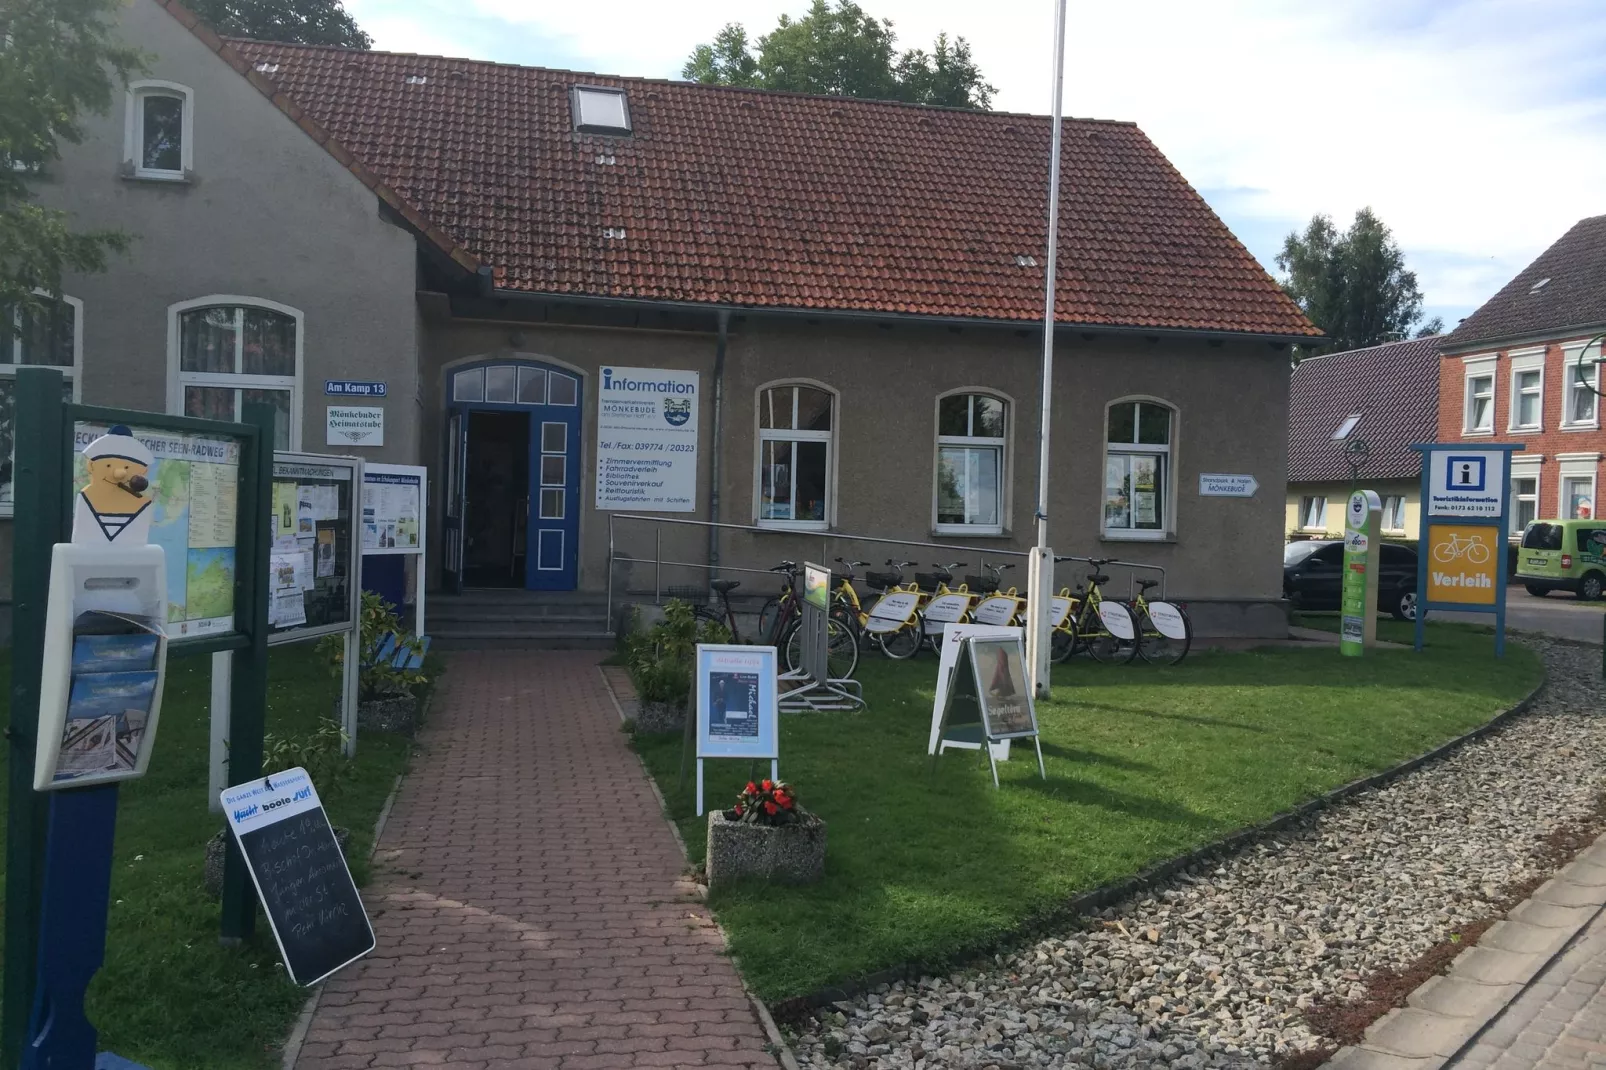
313 565
300 874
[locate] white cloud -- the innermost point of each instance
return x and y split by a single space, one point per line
1475 128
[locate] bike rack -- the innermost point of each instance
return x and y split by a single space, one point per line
826 539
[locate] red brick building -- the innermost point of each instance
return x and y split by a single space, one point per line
1510 372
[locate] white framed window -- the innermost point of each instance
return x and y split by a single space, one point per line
1527 394
1478 416
1580 405
1394 513
794 477
159 130
1578 497
1137 469
1524 496
972 443
1313 512
37 337
225 352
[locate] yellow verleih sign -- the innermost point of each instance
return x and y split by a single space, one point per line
1461 563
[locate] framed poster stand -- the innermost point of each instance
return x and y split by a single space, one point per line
989 701
810 686
735 706
393 534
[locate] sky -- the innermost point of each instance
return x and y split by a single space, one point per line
1476 129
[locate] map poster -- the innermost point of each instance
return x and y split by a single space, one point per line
194 487
647 440
392 509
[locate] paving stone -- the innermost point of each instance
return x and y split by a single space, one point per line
1370 1059
1415 1033
1563 892
1552 915
1494 967
1522 938
1460 997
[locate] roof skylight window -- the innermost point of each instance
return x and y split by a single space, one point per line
600 111
1346 427
1540 285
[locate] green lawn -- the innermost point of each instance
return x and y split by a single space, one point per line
169 996
1143 763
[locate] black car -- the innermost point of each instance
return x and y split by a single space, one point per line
1313 576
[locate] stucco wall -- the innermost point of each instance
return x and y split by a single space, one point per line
1338 493
1232 415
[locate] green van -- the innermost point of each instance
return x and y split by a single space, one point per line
1563 555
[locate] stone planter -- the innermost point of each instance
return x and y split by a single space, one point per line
660 717
394 713
212 869
789 854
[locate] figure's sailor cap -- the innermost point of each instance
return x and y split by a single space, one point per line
120 443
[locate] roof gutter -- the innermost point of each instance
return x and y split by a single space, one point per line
850 315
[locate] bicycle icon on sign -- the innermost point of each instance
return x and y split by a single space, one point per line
1470 547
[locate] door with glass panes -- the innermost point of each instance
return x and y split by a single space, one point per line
513 520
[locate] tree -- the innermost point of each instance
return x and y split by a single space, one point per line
1354 285
841 51
58 60
302 22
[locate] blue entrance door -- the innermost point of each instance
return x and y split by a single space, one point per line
528 434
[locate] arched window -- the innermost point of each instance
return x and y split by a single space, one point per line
228 352
971 440
49 334
1137 469
158 130
796 424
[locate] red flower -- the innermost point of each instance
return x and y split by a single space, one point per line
771 809
738 809
750 789
769 785
780 797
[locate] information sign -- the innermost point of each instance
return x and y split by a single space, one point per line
1466 482
300 874
312 570
1358 593
1460 563
647 439
1461 556
193 485
1227 485
355 388
353 426
392 508
737 705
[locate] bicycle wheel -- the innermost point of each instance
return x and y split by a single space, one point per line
791 646
1108 648
1159 649
1062 642
768 615
902 643
704 615
842 649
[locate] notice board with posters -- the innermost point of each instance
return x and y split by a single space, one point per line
313 565
194 490
393 509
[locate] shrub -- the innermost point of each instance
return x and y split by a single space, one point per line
660 658
320 753
376 680
768 802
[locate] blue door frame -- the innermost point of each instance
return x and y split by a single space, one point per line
552 398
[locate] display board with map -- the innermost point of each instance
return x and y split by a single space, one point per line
194 487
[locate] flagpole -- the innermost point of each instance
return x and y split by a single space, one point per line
1041 580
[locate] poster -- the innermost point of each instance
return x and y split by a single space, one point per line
194 488
284 510
736 702
309 567
647 440
326 553
392 504
1001 688
948 659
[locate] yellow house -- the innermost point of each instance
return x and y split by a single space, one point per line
1352 419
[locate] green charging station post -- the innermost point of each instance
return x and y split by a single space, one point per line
59 842
1358 600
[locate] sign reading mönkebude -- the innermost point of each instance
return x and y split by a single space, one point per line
647 433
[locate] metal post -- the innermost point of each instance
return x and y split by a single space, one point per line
248 695
1037 637
350 678
43 502
612 620
218 769
657 564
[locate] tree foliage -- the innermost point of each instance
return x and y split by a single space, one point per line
304 22
842 51
59 59
1353 285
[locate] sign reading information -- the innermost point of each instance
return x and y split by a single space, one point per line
647 440
1466 482
194 489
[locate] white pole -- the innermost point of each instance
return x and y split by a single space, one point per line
1041 575
217 776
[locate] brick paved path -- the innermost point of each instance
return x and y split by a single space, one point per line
1559 1021
521 921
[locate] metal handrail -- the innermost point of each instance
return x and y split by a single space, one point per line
826 537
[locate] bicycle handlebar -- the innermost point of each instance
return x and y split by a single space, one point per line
949 568
784 566
900 564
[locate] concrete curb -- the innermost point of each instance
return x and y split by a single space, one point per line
1447 1014
783 1051
1097 899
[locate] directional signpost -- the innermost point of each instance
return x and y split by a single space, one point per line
1227 485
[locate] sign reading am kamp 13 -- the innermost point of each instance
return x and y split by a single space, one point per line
647 440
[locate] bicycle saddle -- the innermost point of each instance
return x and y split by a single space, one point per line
1146 584
1099 577
725 586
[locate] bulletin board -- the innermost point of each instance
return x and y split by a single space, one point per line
314 569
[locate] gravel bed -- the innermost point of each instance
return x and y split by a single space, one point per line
1216 968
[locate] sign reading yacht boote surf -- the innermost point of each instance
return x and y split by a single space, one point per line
647 440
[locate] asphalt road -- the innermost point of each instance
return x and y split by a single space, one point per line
1558 614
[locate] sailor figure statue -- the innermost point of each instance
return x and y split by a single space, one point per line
112 507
